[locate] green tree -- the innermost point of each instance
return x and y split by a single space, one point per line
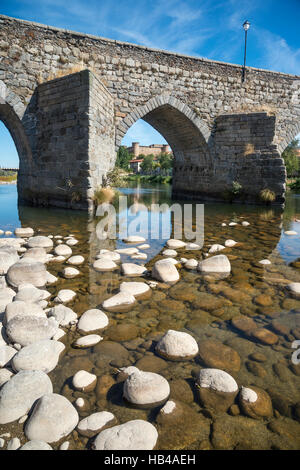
291 159
148 164
165 161
123 158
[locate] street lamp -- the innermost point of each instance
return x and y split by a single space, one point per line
246 26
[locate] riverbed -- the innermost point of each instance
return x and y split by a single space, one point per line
203 306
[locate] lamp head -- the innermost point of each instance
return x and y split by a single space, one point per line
246 25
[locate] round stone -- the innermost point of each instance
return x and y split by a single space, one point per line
165 271
146 389
104 264
38 254
245 223
63 315
43 355
294 288
255 402
192 246
175 244
87 341
119 302
71 242
92 320
133 435
76 260
265 336
96 422
6 296
84 381
22 309
29 294
215 264
29 329
218 380
132 270
36 445
215 248
169 253
264 261
110 255
127 251
191 264
52 418
6 354
70 273
290 232
177 345
63 250
27 270
40 242
24 232
64 296
8 257
216 355
20 392
230 243
136 289
5 375
134 239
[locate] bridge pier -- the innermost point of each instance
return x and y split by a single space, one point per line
72 142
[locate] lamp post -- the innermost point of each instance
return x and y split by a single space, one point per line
246 26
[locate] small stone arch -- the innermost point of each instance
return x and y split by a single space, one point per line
157 102
12 111
292 132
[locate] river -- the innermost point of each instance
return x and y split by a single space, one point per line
200 305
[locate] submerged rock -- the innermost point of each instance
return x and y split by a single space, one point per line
84 381
121 301
255 402
27 270
216 355
40 242
29 329
133 435
137 289
215 264
36 445
217 389
8 257
24 232
20 392
63 315
133 270
104 264
174 244
96 422
177 345
43 355
146 389
22 309
165 271
92 320
52 418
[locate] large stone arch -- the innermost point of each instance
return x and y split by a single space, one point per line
187 135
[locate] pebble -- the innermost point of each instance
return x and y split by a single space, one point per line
134 239
13 444
39 242
136 289
24 232
76 260
92 320
104 264
63 250
230 243
63 315
84 381
119 301
94 423
70 273
174 244
177 345
133 270
43 355
88 341
215 264
215 248
64 296
29 329
165 271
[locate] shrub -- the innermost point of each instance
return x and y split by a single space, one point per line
295 186
236 188
267 195
102 195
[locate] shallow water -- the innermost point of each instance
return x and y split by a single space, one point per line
199 305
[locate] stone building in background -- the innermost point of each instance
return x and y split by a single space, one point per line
154 149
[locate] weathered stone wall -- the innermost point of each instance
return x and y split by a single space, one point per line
184 98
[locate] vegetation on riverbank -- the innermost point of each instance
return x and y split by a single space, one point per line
161 179
8 176
295 185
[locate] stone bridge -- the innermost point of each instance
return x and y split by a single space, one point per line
69 98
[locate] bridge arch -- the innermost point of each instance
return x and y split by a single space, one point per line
12 111
185 132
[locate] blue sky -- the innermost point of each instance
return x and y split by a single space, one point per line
204 28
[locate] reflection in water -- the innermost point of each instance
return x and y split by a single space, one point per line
197 304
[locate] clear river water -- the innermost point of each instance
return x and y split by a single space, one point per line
202 306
